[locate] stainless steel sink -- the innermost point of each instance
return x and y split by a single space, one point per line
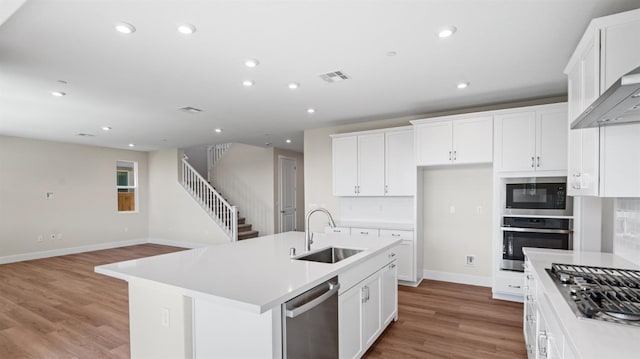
330 255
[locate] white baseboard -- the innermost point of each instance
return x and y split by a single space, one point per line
67 251
469 279
181 244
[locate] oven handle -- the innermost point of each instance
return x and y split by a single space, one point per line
536 230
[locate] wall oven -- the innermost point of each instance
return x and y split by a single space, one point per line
540 232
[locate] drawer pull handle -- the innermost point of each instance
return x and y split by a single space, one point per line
395 235
514 286
364 232
392 266
337 230
391 255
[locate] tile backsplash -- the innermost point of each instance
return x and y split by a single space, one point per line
626 239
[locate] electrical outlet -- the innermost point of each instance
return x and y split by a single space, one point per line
48 195
452 209
52 236
471 260
165 318
479 210
40 238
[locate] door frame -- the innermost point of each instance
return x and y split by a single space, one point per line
280 192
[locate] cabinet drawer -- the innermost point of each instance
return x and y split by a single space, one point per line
394 233
509 285
364 232
357 274
337 230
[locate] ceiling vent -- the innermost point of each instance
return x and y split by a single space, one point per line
335 76
190 109
85 135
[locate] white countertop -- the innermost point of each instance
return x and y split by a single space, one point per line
589 338
255 274
377 225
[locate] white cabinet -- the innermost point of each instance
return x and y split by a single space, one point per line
371 165
404 253
389 295
374 163
444 141
531 140
345 166
400 167
607 50
366 309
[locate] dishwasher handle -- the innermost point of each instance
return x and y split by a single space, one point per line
333 289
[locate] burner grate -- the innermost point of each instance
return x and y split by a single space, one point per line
601 293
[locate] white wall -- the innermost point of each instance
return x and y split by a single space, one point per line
84 208
173 214
245 177
198 157
450 237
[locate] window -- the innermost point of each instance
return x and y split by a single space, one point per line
127 185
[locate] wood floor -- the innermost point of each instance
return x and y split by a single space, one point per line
59 308
448 320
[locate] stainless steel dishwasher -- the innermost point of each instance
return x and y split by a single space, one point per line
310 323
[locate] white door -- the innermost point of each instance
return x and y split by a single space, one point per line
371 311
345 165
371 165
515 141
551 144
473 140
434 143
400 167
287 174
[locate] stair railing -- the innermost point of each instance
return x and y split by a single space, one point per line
217 207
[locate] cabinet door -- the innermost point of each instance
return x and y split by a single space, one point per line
389 293
515 142
371 165
349 320
473 140
371 311
400 167
620 161
620 51
405 264
345 165
551 140
434 143
590 67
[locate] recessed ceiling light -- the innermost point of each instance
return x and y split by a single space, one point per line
124 27
251 63
294 85
248 83
462 85
392 53
446 31
58 93
311 110
132 145
218 130
287 140
106 128
186 29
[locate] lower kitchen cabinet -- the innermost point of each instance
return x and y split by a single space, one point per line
365 310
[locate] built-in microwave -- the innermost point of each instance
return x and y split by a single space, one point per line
545 196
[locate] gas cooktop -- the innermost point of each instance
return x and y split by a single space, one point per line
606 294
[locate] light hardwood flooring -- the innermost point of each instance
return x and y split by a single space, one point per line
59 308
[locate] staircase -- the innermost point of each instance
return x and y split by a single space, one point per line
225 215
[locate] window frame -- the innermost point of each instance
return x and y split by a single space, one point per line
134 186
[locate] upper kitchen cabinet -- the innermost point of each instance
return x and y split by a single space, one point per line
374 163
532 139
454 140
598 165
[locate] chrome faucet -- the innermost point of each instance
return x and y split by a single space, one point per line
308 235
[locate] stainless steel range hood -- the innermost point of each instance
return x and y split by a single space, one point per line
619 104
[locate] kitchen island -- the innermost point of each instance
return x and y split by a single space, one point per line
551 327
225 300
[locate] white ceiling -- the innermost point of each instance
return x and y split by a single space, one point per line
507 49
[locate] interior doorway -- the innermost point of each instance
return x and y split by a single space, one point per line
287 175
